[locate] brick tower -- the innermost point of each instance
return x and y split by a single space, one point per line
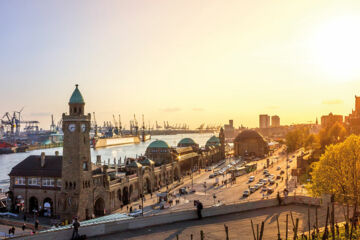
77 183
222 143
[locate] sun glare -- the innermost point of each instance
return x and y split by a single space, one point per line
336 48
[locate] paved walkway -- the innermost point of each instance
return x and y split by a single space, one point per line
238 223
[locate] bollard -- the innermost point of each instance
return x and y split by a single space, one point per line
202 235
227 232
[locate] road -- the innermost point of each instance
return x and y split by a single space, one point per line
225 193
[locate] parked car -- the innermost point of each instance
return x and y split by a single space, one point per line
290 160
212 176
271 181
264 189
246 193
278 177
267 174
251 178
265 171
252 189
278 168
270 190
282 172
257 186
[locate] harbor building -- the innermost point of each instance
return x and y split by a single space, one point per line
188 142
71 185
250 143
264 121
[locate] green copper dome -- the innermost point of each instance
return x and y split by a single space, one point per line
76 97
187 141
213 141
158 144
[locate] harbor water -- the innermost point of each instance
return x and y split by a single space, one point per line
8 161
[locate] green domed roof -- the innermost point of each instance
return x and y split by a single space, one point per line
213 141
187 141
158 144
76 97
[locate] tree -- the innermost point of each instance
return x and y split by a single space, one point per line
297 138
334 134
336 172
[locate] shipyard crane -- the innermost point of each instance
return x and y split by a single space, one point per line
14 122
143 123
120 127
158 126
201 126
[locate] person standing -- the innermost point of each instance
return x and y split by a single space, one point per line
199 208
23 227
76 226
36 225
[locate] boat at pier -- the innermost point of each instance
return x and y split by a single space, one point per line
99 142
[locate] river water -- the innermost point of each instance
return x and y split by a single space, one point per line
8 161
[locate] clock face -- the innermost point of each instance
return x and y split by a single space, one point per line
72 127
83 127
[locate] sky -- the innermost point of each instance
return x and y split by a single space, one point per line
182 61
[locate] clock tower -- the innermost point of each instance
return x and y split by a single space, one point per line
77 185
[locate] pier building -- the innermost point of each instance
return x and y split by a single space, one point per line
250 143
71 185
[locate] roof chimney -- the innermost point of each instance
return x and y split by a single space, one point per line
42 159
56 153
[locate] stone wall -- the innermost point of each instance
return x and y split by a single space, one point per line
168 218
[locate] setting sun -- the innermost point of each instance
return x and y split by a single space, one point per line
336 47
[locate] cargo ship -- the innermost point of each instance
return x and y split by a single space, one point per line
6 147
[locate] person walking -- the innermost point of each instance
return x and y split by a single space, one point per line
23 227
76 226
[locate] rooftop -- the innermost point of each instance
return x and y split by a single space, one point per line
158 144
31 166
76 96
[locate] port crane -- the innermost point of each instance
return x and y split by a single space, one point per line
13 122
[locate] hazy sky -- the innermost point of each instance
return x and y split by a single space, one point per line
181 61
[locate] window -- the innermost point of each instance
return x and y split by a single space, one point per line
85 166
48 182
33 181
19 181
58 182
